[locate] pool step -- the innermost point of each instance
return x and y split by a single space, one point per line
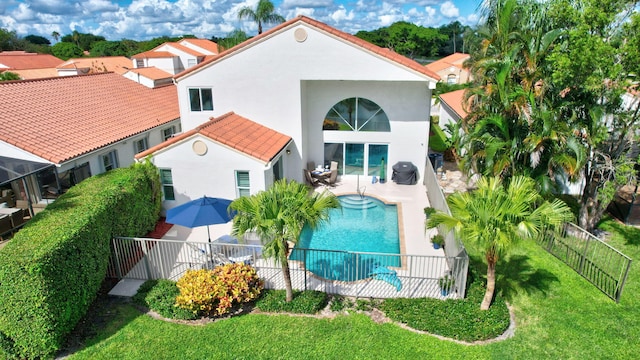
356 202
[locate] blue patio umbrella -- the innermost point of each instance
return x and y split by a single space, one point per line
200 212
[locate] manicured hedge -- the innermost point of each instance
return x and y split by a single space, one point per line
51 271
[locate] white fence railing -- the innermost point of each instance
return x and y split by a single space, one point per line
337 272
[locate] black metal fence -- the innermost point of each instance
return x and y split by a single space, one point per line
598 262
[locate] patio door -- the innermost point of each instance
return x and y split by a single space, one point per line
351 157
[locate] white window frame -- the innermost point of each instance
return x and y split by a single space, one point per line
136 145
200 98
166 185
243 190
166 136
192 62
112 157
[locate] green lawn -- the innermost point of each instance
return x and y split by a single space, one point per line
559 315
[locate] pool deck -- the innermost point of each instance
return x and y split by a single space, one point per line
411 200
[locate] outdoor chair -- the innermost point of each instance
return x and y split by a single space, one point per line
333 178
5 227
334 165
310 179
311 165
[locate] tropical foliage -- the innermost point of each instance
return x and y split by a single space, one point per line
494 218
277 215
261 15
546 99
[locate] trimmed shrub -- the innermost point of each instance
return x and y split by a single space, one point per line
215 292
304 302
160 296
52 269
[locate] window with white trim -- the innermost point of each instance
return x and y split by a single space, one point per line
452 79
201 99
140 145
167 184
168 132
243 186
109 161
191 62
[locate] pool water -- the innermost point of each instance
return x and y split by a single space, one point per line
361 225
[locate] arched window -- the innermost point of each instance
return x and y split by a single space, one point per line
452 79
356 114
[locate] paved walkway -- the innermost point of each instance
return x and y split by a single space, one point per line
453 180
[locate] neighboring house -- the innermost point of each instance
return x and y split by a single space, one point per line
83 125
337 97
452 107
175 57
83 66
450 69
29 65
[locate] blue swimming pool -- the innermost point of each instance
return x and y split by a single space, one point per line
361 225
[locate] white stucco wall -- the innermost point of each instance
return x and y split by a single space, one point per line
264 82
447 116
171 65
211 174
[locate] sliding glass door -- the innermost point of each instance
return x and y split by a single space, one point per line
351 157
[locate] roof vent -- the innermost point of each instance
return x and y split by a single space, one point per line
300 34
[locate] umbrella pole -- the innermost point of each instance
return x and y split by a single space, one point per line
209 239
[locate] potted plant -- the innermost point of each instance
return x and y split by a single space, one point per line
446 284
428 211
437 241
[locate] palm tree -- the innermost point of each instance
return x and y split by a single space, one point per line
55 35
278 214
494 218
263 14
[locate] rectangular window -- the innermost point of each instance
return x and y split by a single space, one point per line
243 187
80 173
140 145
191 62
139 63
201 99
168 132
110 161
167 184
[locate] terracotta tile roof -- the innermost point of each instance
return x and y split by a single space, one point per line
202 43
376 50
61 118
153 54
29 74
117 64
236 132
21 60
456 59
183 48
455 100
152 73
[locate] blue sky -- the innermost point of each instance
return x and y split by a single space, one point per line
145 19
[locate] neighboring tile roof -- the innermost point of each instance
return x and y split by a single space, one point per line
183 48
455 101
386 53
152 73
21 60
236 132
29 74
61 118
117 64
203 43
455 59
153 54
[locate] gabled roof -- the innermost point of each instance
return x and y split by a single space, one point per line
236 132
117 64
455 59
455 100
374 49
154 54
29 74
61 118
183 48
152 73
21 60
203 44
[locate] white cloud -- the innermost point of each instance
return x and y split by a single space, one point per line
449 9
24 13
291 4
342 14
431 12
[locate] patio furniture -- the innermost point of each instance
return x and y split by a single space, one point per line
334 165
311 165
322 176
333 178
5 226
310 179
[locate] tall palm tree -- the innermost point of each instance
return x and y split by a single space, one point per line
262 14
494 218
55 35
278 214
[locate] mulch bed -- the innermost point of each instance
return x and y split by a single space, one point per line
162 226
